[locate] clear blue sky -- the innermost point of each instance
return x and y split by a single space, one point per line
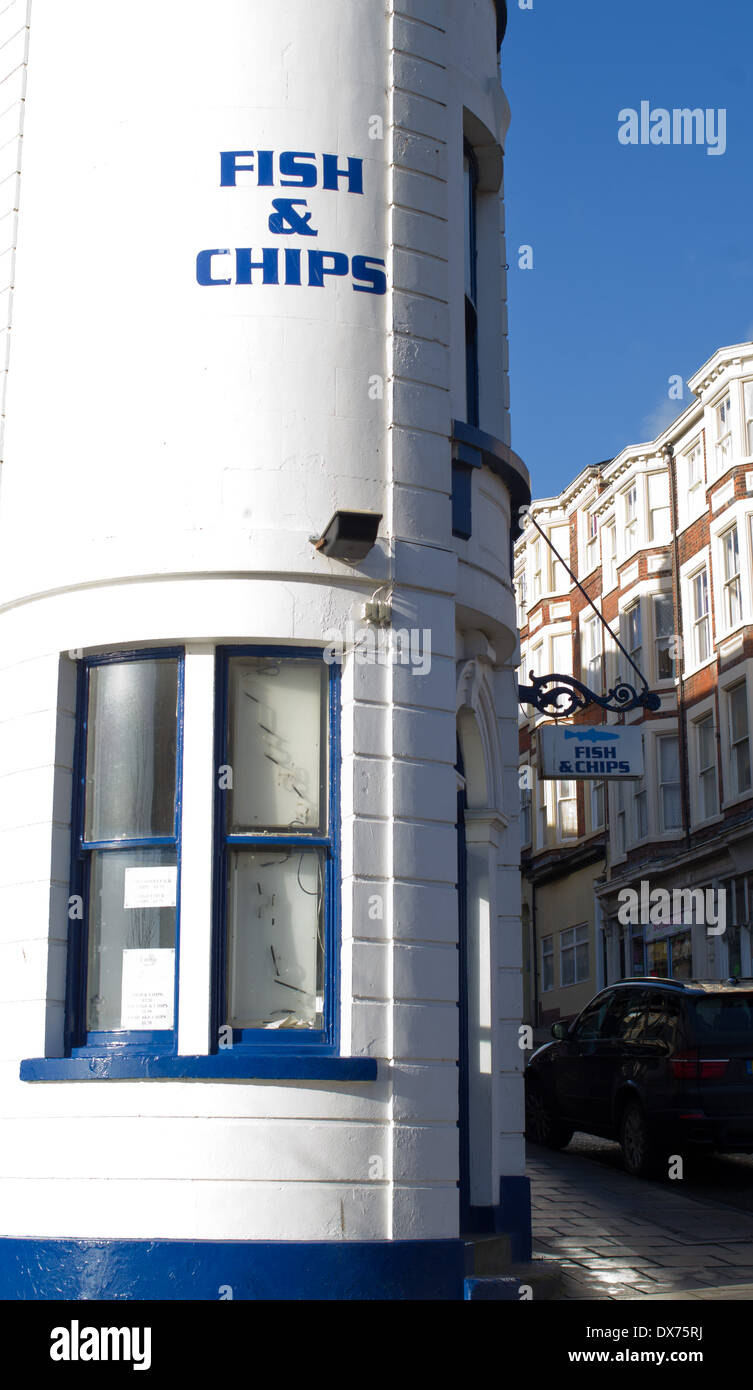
643 255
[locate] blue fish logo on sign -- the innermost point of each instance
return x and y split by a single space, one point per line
592 735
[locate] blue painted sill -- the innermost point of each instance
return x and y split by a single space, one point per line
222 1066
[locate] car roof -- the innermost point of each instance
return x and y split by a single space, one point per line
728 986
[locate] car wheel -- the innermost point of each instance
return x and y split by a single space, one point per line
638 1149
543 1125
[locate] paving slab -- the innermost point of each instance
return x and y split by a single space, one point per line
620 1237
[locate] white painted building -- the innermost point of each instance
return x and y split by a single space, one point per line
255 276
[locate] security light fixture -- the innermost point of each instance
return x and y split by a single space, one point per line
349 536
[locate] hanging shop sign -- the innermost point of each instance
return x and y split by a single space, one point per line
606 754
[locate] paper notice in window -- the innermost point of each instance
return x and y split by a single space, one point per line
148 991
151 887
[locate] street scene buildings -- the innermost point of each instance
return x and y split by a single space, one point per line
661 540
263 643
287 903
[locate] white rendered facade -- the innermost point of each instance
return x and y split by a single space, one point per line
172 443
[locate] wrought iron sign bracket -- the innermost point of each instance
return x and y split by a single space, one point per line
560 696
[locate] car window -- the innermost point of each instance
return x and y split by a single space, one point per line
588 1026
626 1017
663 1016
724 1018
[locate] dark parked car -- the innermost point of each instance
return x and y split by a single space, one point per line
665 1066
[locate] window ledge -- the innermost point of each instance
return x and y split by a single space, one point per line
228 1066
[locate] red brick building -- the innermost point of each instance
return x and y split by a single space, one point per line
661 539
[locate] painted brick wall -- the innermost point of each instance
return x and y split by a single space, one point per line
14 52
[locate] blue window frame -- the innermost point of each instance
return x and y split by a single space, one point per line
462 485
124 909
277 855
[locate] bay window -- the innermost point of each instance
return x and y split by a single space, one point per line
274 875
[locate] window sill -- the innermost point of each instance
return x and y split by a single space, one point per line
689 671
230 1065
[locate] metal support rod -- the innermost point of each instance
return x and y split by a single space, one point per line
587 597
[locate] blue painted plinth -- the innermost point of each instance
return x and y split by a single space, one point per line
196 1270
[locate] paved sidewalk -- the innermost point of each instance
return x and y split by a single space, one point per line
619 1237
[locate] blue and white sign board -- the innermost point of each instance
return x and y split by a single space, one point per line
581 751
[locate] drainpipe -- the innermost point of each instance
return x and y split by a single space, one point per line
668 454
535 953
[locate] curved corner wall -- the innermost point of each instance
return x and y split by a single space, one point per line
237 307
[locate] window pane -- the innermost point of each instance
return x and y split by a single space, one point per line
669 752
131 750
277 743
738 708
275 939
706 751
731 553
701 594
132 899
664 621
682 956
469 195
656 959
742 766
671 808
633 619
664 614
637 954
589 1024
562 654
547 961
